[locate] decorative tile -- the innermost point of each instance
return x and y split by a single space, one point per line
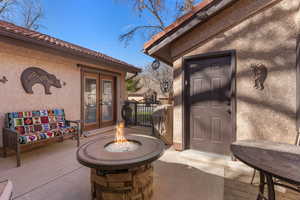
28 121
46 127
36 113
36 120
20 129
38 128
52 119
43 113
18 122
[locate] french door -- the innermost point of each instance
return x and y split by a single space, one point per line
99 100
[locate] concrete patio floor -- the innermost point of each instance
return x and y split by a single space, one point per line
52 172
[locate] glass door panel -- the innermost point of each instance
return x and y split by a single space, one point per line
107 100
91 119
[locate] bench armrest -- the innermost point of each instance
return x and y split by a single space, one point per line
10 137
74 121
79 132
11 131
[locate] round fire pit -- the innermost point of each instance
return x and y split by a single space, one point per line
121 171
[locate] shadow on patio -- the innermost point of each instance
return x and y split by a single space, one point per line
52 172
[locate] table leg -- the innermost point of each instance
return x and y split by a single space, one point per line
262 183
271 190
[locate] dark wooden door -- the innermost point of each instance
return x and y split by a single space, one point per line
209 103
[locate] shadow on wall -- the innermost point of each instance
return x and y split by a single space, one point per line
279 57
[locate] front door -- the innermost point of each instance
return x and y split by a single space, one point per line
209 100
99 101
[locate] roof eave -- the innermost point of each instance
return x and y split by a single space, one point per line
19 37
198 18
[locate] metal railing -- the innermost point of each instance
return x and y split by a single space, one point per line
138 114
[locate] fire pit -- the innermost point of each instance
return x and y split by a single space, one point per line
121 168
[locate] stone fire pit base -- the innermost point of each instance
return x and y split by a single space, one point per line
130 184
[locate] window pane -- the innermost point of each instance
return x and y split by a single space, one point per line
107 100
90 106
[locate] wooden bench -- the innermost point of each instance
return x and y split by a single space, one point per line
36 127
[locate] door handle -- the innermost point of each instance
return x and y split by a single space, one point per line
229 111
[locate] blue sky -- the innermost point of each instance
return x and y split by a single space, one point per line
96 24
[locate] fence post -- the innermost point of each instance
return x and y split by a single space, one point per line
135 113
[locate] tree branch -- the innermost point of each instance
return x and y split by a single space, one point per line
126 37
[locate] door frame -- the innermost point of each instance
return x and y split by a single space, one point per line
87 69
185 113
298 86
97 124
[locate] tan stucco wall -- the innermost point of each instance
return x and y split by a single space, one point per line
16 56
267 36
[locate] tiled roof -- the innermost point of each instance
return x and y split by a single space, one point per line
177 23
20 32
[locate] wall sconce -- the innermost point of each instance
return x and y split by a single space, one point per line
155 64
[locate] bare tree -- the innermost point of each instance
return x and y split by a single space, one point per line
32 12
152 7
6 7
26 13
152 79
156 10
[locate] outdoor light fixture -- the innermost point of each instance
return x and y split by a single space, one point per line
155 64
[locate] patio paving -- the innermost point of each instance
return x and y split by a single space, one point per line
52 172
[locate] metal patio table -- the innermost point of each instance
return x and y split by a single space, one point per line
278 164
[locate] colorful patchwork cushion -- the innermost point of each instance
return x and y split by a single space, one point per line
44 123
68 130
24 139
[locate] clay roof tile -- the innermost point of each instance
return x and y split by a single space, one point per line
34 35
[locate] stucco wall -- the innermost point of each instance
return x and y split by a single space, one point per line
264 32
16 56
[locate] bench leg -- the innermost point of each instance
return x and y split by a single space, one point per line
77 136
4 151
4 144
18 155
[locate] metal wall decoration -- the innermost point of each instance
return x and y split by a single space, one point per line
34 75
260 73
166 85
3 80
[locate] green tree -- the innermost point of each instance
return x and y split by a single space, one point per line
133 85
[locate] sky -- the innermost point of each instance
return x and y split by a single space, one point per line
96 24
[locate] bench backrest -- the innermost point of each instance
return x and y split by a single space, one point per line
35 121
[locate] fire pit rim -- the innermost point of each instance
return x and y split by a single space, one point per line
85 159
